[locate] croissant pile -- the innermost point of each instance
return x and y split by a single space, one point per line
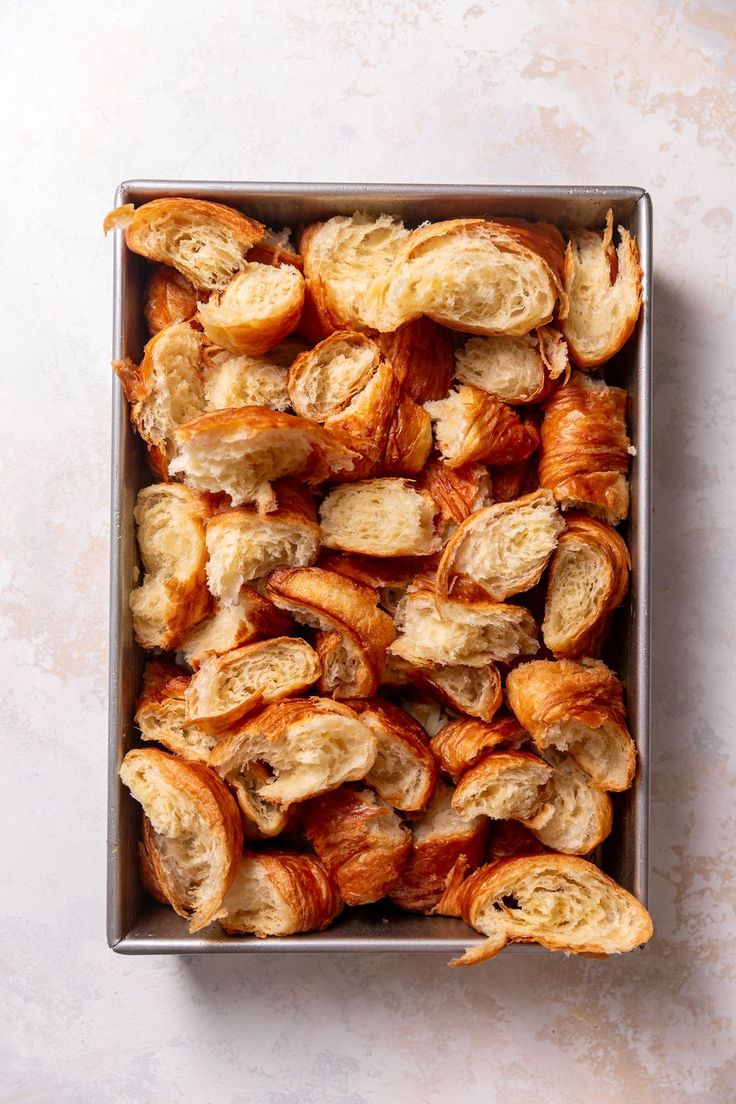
379 564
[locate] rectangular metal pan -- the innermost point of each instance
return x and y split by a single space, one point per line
135 924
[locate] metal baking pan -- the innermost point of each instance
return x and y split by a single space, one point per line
137 925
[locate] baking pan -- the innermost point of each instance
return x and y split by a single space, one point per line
136 924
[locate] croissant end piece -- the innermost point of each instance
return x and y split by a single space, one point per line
279 893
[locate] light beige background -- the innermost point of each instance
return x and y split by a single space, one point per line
515 92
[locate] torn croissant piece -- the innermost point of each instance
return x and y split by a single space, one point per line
584 457
310 746
361 841
559 901
582 813
206 242
470 425
503 549
461 743
579 709
604 287
354 632
515 369
237 380
421 356
257 309
243 451
345 385
173 597
439 840
472 275
472 690
511 481
161 713
169 297
456 492
227 687
342 257
279 893
505 785
243 545
470 632
379 517
404 772
249 618
588 580
389 575
164 390
196 836
261 819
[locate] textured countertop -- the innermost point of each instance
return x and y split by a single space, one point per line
635 93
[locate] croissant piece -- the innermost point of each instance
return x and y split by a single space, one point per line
361 841
206 242
404 773
227 687
579 709
164 390
243 451
243 545
389 575
440 839
604 287
472 690
256 310
195 826
173 597
169 297
235 380
505 785
279 893
261 819
514 369
342 257
472 275
582 813
421 356
249 618
462 742
310 745
456 492
511 481
379 517
354 632
588 580
435 631
470 425
504 548
559 901
584 454
161 713
345 385
275 248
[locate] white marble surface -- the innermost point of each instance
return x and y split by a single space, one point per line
551 92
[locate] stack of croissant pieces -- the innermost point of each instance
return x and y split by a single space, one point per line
383 461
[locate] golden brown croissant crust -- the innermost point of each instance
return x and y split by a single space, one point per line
460 743
277 893
195 836
421 356
404 773
169 297
488 431
361 842
457 492
577 708
559 901
584 454
340 608
588 580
